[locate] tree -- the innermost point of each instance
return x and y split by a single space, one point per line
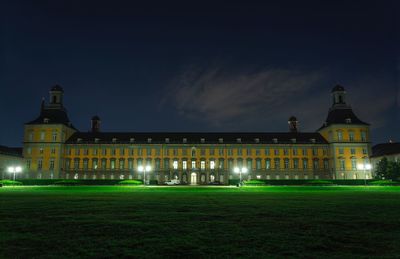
389 170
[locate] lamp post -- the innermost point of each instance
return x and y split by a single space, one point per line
144 169
364 167
14 170
240 171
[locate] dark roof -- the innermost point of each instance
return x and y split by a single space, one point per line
292 118
195 137
11 151
337 88
97 118
57 88
340 116
385 149
54 116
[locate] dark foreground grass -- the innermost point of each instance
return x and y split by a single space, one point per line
214 222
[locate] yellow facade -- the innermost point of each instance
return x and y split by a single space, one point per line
53 148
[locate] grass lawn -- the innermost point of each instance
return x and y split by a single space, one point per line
105 221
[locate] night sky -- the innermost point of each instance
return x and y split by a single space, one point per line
199 66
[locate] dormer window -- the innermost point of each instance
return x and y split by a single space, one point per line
348 120
202 140
275 140
132 140
96 140
149 140
166 140
184 140
257 140
239 140
114 140
293 140
46 120
78 140
312 140
221 140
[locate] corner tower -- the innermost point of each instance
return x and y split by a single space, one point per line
44 138
348 136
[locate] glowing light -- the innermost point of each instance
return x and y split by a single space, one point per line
148 168
141 168
244 170
236 169
18 169
10 169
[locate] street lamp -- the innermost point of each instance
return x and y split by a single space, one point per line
364 167
14 170
240 171
144 169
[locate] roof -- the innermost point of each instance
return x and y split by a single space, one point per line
11 151
341 116
53 116
385 149
337 88
196 137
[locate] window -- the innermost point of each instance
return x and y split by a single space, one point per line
166 163
211 151
305 152
202 152
77 151
67 164
104 151
131 152
365 151
315 152
249 164
42 135
258 152
184 165
326 163
54 136
30 136
40 164
258 164
341 151
315 164
305 164
249 151
266 151
202 165
157 164
239 151
339 135
51 166
113 152
353 164
85 164
276 152
29 150
363 136
295 151
158 152
212 164
341 164
267 164
193 152
221 152
112 164
140 152
295 163
130 164
86 151
286 163
95 164
94 151
353 151
76 163
103 163
148 151
286 152
28 164
230 152
121 151
351 136
40 150
121 164
230 164
175 164
221 163
193 164
175 152
276 163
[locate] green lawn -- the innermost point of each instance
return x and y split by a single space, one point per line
94 221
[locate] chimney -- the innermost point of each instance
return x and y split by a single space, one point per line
293 124
95 124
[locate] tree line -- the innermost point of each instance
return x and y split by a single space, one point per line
388 170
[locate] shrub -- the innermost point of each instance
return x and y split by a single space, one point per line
68 182
319 182
130 182
384 182
9 182
254 182
153 182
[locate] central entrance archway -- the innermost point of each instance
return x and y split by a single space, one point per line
193 178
